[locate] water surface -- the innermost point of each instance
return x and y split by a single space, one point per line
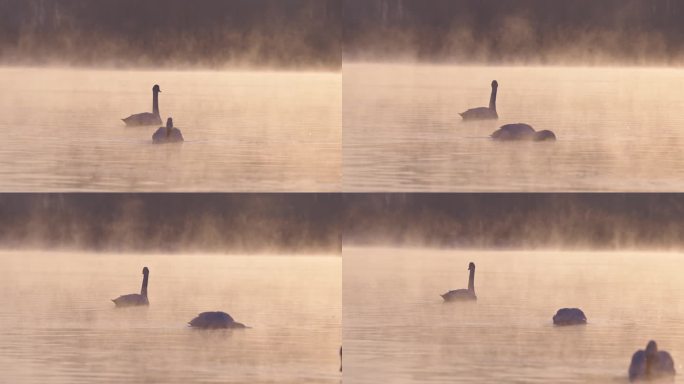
397 328
618 129
58 325
244 131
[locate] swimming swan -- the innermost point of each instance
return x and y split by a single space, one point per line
463 294
215 320
569 316
651 364
483 113
167 134
135 299
146 118
521 131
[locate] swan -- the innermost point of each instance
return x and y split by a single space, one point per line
135 299
146 118
569 316
482 113
215 320
521 131
651 363
463 294
167 134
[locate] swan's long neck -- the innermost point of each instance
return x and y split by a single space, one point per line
471 281
143 290
492 99
155 103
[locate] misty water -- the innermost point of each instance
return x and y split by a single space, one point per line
244 131
58 325
618 129
397 328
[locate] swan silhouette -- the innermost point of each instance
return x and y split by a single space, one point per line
146 118
521 131
651 364
483 113
215 320
463 294
167 134
569 316
135 299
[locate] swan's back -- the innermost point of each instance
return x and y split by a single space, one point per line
481 113
131 300
160 137
214 320
569 316
140 119
459 295
518 131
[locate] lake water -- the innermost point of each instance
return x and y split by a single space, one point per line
398 330
244 131
58 325
618 129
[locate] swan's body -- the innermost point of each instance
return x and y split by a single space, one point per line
651 364
521 131
147 118
483 113
569 316
215 320
135 299
463 294
167 134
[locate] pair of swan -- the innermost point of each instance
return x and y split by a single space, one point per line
205 320
167 134
508 132
645 365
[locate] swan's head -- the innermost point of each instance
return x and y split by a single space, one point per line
169 123
544 135
495 84
156 89
146 271
471 266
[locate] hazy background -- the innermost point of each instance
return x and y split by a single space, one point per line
637 32
172 33
232 223
516 221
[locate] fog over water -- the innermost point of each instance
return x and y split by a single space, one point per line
271 261
269 131
617 129
58 325
397 328
632 32
172 33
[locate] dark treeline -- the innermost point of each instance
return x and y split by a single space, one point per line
516 221
231 223
517 31
168 33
